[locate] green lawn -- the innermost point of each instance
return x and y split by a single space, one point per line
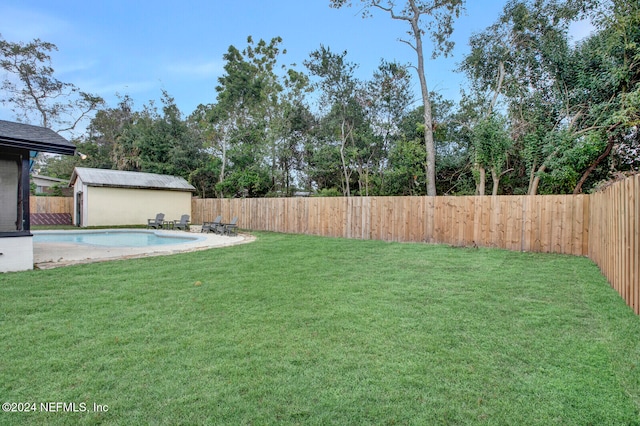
309 330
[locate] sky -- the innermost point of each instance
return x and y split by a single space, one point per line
140 48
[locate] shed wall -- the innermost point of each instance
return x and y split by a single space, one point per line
125 206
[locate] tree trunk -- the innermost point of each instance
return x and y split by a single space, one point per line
532 176
494 174
480 185
345 188
430 165
224 161
496 181
601 157
533 187
496 92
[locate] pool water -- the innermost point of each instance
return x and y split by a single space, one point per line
112 238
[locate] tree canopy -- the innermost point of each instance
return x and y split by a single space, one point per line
540 113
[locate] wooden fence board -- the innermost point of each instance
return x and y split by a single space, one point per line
578 225
558 224
635 278
57 205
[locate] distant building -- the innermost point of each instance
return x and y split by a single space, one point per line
114 197
49 185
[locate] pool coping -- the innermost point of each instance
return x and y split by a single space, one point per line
49 255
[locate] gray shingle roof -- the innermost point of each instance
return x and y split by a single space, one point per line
33 138
122 179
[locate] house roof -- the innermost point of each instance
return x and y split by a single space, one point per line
33 138
47 179
136 180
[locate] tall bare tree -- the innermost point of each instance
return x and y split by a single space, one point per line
31 88
438 24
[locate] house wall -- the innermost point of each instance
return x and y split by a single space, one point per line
16 254
124 206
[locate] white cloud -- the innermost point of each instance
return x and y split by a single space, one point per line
122 88
75 66
23 25
196 70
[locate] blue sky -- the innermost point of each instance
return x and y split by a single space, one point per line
140 48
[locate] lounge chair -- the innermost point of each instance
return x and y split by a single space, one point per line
157 222
230 228
211 226
183 223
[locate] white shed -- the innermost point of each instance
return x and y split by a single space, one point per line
114 197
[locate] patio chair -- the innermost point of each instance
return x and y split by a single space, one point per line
211 226
230 228
157 222
183 223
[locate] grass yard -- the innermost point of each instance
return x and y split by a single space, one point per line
308 330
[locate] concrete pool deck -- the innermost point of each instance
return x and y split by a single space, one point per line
53 255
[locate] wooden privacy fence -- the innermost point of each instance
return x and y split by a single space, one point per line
614 237
51 204
50 210
604 226
555 223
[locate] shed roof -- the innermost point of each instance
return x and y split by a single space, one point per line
122 179
33 138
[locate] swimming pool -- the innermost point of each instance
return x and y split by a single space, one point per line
113 238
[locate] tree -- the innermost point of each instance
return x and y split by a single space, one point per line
485 68
453 143
491 143
297 127
59 166
527 60
270 111
439 28
387 100
245 126
405 165
610 72
32 90
228 121
338 86
103 143
166 143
